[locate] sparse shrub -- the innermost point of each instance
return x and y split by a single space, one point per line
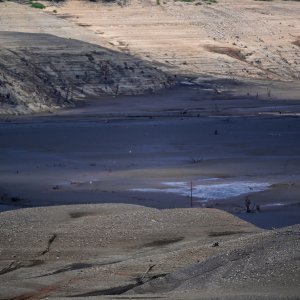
38 5
206 1
211 1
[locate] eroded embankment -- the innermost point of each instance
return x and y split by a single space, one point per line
42 72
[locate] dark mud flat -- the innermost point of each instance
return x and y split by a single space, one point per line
274 217
87 156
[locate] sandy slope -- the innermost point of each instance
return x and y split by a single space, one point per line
47 63
232 39
97 250
79 249
264 266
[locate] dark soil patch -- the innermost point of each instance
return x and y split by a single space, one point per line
163 242
296 43
77 266
223 233
231 52
80 214
84 25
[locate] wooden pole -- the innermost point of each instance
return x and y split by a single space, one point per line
191 193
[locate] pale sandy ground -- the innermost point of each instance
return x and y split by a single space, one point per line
231 39
83 251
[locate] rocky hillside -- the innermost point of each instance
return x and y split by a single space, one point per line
41 72
264 266
74 49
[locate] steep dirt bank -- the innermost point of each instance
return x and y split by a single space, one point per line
40 71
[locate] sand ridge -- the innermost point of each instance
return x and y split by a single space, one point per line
133 251
119 242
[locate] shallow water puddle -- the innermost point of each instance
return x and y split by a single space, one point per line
206 192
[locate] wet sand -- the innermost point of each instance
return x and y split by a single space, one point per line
86 156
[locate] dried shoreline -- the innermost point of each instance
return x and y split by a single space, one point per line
221 101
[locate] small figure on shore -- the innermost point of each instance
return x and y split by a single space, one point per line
216 132
247 204
257 208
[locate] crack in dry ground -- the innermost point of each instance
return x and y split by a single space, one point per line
119 290
15 265
77 266
50 241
